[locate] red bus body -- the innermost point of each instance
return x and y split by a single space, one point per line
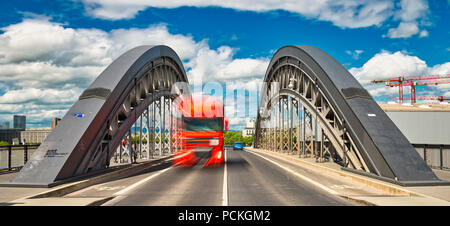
202 123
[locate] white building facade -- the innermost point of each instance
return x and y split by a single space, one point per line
249 129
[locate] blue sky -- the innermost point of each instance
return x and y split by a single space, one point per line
76 40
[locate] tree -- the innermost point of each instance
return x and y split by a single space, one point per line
231 137
3 143
248 140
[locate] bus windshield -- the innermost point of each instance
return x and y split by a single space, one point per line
203 124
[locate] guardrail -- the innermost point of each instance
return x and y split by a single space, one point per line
436 156
15 156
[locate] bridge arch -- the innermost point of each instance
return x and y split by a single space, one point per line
308 80
92 129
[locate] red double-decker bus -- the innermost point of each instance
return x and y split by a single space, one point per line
202 124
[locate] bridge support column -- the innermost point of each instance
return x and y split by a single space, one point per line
284 138
290 123
166 123
297 128
145 134
303 151
150 134
157 134
128 149
140 136
273 126
309 151
315 139
280 137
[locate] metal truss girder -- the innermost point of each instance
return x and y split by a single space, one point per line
379 145
92 129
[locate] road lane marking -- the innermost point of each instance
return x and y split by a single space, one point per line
225 181
344 186
123 191
106 188
135 185
317 184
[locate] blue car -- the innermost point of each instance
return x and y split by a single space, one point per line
238 146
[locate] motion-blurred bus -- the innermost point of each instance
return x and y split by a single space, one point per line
201 124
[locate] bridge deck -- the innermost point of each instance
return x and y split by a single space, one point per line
251 180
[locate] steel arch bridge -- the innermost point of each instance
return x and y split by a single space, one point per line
310 106
139 85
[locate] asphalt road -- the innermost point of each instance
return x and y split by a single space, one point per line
250 180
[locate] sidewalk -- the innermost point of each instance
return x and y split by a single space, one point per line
50 196
441 192
398 195
12 193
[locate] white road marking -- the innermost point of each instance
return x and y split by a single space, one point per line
225 181
135 185
343 186
321 186
106 188
129 188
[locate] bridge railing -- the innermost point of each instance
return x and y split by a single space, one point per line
14 157
436 156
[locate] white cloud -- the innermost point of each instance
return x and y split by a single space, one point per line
251 84
404 30
44 66
46 75
354 54
423 33
10 108
237 123
386 65
41 40
113 10
411 11
185 46
342 13
41 96
212 65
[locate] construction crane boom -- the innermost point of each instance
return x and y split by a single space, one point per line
439 98
413 81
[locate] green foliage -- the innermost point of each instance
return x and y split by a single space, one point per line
33 143
231 137
2 143
248 140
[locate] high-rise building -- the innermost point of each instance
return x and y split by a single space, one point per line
5 125
19 122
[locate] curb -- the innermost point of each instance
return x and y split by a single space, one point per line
100 202
357 201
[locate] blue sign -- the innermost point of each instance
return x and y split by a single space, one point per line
78 115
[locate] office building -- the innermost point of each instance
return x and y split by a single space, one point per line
19 122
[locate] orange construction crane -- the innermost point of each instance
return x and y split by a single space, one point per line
413 81
439 98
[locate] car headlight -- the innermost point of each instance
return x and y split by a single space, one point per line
214 142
